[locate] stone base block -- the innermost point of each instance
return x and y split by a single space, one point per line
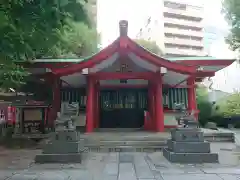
188 129
65 135
61 147
58 158
188 147
187 135
191 158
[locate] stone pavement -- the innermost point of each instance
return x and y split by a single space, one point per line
18 165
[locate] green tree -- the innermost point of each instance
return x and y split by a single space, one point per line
32 29
231 9
229 106
80 40
150 45
203 104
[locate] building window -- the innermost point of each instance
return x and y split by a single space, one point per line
182 27
173 5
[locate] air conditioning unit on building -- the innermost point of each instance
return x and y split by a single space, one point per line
163 70
85 71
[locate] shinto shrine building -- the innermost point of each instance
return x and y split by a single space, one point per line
126 86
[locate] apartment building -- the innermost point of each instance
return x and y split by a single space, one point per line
177 28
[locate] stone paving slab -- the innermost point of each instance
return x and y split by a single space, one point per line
6 174
110 166
142 168
111 169
229 177
126 172
221 171
191 177
79 175
106 177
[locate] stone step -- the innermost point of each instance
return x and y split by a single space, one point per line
58 158
59 147
188 147
125 148
220 138
192 158
123 143
122 138
119 129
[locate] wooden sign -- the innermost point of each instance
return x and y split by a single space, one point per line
124 68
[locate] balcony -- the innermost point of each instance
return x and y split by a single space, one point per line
184 32
179 41
184 52
186 23
189 12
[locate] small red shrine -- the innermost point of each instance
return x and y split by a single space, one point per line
126 86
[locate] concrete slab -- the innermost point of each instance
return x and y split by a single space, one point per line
53 175
191 176
79 175
126 172
26 175
106 177
126 157
229 177
142 168
111 169
235 170
5 174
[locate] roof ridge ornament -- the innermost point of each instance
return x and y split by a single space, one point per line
123 27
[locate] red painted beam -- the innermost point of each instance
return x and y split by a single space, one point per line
138 86
161 62
96 59
117 86
176 86
205 74
126 75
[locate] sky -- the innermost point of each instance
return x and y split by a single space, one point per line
137 11
110 12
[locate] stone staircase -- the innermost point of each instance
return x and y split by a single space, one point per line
124 142
105 140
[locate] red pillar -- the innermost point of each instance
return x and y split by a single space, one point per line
192 104
97 94
153 117
90 106
159 105
149 104
56 103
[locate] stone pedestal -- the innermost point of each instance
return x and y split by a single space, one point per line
187 146
64 147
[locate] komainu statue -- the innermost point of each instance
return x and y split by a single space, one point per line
67 117
185 118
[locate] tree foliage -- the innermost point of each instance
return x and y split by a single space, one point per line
150 45
203 104
80 40
32 29
231 9
229 106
